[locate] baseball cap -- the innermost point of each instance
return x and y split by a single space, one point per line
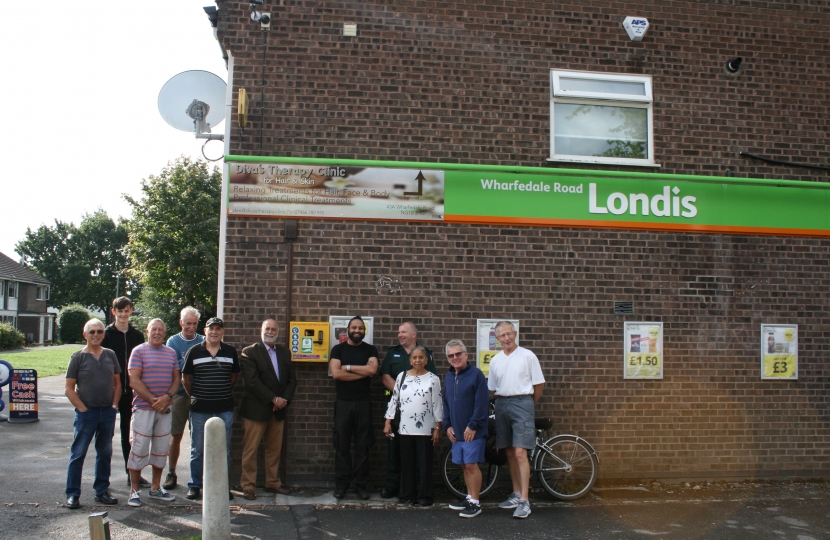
215 320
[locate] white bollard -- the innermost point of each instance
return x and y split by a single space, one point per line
216 513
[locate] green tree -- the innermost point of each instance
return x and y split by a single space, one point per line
82 262
174 238
71 321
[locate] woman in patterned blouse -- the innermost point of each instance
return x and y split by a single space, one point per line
418 392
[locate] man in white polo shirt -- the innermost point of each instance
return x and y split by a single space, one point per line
517 380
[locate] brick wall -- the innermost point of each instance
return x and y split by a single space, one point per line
469 82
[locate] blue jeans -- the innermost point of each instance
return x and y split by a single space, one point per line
97 422
197 442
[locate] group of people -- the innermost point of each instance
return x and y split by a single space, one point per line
158 388
418 411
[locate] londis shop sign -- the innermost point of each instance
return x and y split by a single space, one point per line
318 188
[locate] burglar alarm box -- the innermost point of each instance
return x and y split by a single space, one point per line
309 341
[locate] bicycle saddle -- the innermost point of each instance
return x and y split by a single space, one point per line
544 423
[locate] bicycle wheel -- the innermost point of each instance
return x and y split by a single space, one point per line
566 467
453 476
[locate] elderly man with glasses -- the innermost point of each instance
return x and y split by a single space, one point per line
517 380
465 419
93 386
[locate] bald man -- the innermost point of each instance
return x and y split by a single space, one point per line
269 387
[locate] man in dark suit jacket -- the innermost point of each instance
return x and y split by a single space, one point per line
269 387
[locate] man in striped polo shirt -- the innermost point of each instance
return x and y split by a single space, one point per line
209 373
154 378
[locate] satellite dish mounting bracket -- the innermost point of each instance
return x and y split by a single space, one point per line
198 111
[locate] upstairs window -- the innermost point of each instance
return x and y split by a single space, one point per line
43 292
12 289
601 118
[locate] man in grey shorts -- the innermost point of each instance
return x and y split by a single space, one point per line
517 381
181 343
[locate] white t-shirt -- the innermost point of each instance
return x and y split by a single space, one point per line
514 374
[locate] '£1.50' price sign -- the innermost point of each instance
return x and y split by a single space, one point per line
643 366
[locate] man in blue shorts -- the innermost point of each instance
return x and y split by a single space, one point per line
516 379
465 420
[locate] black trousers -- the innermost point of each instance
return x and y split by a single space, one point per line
416 460
352 421
125 413
393 464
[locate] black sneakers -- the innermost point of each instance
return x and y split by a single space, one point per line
471 511
460 504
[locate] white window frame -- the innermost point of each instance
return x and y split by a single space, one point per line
14 289
578 97
42 292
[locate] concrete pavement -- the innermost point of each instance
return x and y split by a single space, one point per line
33 460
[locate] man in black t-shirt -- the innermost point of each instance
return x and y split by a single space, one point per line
352 365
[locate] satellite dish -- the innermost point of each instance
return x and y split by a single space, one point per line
193 101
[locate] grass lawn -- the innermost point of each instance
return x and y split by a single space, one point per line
47 361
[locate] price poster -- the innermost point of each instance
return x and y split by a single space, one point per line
643 350
487 346
23 403
779 351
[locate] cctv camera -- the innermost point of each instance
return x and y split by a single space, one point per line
733 65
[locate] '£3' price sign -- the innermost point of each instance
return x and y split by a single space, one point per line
779 366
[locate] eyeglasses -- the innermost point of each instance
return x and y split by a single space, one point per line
455 355
94 331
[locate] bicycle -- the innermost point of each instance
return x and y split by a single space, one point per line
566 465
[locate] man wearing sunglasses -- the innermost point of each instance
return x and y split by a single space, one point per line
93 386
466 400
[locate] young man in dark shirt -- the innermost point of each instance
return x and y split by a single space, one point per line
122 337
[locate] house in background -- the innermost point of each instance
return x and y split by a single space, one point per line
24 296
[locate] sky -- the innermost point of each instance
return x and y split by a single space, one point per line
80 85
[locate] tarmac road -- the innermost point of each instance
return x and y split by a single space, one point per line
33 460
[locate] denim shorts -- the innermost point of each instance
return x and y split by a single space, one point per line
515 422
464 453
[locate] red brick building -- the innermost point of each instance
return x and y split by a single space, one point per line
518 83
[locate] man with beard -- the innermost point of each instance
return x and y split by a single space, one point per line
269 387
352 365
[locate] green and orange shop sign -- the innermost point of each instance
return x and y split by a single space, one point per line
343 189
